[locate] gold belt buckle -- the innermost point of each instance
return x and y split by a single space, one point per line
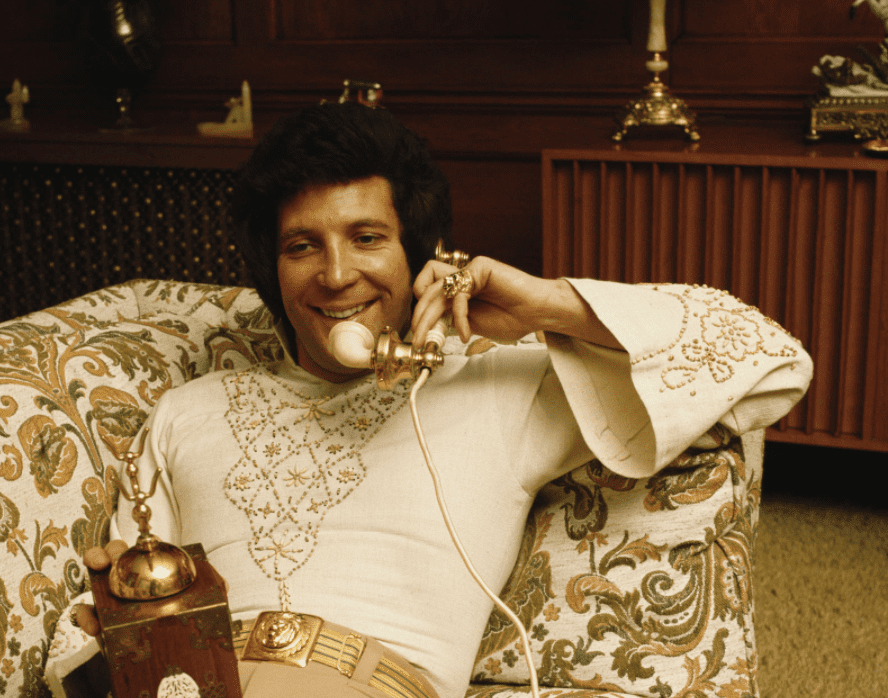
283 636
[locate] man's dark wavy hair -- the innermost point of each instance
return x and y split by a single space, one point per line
334 143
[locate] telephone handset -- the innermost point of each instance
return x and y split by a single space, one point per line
392 361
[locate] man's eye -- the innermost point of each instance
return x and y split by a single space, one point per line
298 247
367 239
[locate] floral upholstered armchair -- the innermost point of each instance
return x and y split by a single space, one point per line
627 587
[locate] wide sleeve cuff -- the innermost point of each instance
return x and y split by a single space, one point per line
694 356
70 649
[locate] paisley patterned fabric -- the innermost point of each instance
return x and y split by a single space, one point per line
636 587
628 587
76 383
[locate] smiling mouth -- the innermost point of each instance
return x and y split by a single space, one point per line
343 314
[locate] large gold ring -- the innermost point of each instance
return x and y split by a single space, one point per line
458 282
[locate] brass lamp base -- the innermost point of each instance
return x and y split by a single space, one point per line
656 107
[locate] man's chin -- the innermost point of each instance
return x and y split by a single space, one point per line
331 370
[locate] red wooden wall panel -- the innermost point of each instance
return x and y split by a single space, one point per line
731 56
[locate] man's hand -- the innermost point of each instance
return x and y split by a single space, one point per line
84 615
505 304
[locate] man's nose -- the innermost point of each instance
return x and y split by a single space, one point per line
340 268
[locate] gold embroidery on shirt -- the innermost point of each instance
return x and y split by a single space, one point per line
719 335
297 477
300 457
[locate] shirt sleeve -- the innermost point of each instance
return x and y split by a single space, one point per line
694 357
70 649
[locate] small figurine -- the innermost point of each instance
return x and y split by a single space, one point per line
16 100
238 123
842 77
853 96
368 93
879 9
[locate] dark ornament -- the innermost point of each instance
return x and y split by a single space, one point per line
121 42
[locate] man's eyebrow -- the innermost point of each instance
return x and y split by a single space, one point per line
293 232
371 223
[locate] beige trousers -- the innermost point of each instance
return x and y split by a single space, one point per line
270 680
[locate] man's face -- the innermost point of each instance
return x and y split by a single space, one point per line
340 258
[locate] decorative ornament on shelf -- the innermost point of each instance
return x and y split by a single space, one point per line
17 99
853 96
238 123
125 123
656 106
368 93
121 51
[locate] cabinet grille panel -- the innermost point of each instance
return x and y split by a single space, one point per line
66 230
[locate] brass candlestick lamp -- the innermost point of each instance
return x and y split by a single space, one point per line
656 106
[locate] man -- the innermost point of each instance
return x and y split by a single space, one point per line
305 483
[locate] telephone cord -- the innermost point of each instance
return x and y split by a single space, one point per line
525 642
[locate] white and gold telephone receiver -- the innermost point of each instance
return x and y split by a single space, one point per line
391 359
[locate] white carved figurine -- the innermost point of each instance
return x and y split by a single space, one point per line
842 77
878 7
235 111
238 123
16 100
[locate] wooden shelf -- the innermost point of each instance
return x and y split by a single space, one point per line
487 134
80 142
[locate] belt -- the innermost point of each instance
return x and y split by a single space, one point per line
297 638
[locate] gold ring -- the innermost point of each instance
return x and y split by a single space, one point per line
458 282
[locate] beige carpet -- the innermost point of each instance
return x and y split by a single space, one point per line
821 595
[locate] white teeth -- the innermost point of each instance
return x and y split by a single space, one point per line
343 314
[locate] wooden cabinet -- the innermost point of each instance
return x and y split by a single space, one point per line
798 231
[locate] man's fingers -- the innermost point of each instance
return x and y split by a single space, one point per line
84 616
116 548
96 558
430 273
428 310
99 558
461 316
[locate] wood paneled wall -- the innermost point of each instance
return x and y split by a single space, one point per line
728 56
489 83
